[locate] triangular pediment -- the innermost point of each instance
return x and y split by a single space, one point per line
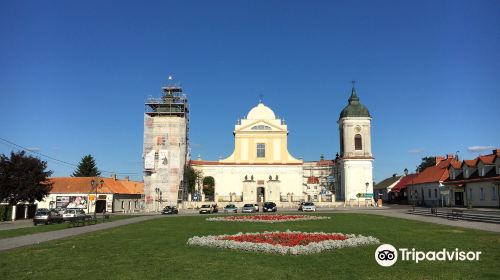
261 126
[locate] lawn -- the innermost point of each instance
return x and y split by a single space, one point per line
157 249
45 228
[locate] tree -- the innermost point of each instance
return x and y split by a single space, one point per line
208 185
191 177
426 162
86 168
23 178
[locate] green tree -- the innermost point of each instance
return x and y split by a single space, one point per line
426 162
191 177
86 168
208 185
23 178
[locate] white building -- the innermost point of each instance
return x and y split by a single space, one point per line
355 165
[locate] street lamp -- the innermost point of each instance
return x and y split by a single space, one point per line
96 185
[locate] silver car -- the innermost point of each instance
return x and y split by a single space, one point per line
73 213
248 208
309 206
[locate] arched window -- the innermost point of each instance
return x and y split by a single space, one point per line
357 142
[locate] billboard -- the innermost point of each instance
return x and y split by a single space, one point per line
72 201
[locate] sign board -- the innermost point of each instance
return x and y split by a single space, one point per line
330 179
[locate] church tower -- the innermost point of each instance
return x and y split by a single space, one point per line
356 159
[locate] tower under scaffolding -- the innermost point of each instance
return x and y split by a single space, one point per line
166 122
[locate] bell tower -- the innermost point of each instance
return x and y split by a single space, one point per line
356 158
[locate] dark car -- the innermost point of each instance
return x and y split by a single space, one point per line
215 208
169 210
269 207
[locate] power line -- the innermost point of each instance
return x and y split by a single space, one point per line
62 161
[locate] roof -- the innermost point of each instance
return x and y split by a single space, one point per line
384 184
470 162
326 162
205 162
84 185
313 180
434 174
354 108
261 112
404 182
488 159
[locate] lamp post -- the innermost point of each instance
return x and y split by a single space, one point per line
157 192
96 185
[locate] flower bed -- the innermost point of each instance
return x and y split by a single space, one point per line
288 242
266 218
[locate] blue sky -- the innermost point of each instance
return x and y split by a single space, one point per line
74 75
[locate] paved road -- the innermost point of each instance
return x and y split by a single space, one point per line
25 240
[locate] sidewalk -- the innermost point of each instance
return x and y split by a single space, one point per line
25 240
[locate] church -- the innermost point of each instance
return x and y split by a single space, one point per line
261 168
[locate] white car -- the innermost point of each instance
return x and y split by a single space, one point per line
74 213
309 206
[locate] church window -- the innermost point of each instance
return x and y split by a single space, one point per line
261 150
357 142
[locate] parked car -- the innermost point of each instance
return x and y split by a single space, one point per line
206 209
230 208
269 207
256 206
248 208
72 213
59 210
45 216
215 208
169 210
309 206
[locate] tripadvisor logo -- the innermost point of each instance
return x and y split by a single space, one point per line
387 255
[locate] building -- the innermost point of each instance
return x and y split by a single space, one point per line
475 183
165 154
95 194
383 188
260 168
426 188
318 179
355 164
399 192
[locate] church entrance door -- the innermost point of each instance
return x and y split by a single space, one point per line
261 194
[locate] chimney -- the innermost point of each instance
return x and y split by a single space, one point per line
394 175
496 152
126 178
439 159
113 176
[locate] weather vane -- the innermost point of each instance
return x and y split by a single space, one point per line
261 96
353 82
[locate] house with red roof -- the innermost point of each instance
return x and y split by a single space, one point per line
476 182
383 188
427 187
399 191
95 194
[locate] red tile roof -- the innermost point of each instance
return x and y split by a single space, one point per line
470 162
83 185
313 180
402 184
325 162
489 159
436 173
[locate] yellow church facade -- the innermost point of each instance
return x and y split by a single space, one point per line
260 169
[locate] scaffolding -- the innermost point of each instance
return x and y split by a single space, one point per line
165 154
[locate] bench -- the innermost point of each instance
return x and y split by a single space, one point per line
81 221
455 214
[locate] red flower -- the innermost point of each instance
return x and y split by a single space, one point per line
285 239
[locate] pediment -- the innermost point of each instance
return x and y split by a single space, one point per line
261 126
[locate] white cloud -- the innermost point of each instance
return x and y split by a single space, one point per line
416 150
33 149
477 149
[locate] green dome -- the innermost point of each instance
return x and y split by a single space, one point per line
354 109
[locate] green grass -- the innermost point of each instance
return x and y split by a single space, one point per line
157 249
45 228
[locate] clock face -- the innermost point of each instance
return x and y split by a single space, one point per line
357 129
